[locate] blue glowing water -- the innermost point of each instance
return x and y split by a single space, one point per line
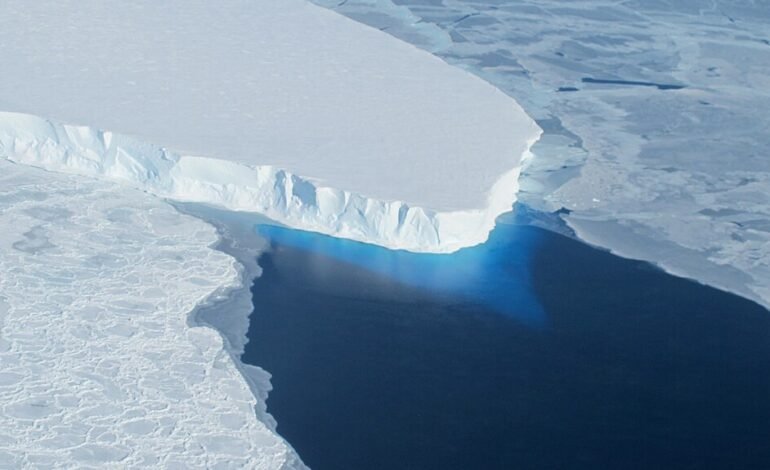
490 274
533 351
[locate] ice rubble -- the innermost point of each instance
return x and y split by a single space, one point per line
280 107
99 364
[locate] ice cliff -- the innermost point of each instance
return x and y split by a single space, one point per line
278 107
284 197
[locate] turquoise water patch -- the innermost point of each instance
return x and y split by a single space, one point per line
383 360
495 274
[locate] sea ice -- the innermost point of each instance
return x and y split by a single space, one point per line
99 364
675 173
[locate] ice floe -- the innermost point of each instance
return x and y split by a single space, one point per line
99 363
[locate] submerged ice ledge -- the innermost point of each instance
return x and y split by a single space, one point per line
278 194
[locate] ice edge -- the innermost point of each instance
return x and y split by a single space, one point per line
237 295
287 198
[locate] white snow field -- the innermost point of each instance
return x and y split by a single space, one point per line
274 106
99 367
655 115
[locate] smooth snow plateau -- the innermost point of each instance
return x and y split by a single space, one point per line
278 107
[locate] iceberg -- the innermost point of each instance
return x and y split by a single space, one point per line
277 107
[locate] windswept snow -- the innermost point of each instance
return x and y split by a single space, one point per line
99 364
366 123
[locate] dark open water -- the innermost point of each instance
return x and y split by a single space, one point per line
533 351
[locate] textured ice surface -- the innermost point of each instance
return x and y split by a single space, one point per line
655 117
276 193
239 239
99 364
285 85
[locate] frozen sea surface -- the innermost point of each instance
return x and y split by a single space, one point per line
659 146
100 365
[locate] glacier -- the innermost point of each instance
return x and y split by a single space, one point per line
278 107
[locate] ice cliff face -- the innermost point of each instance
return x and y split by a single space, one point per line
284 197
315 120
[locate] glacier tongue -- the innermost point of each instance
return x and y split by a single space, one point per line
313 119
284 197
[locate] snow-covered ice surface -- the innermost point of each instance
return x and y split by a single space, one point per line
369 137
100 366
654 111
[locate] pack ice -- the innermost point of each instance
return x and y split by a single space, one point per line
99 367
277 107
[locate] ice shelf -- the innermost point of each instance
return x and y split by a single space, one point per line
280 107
